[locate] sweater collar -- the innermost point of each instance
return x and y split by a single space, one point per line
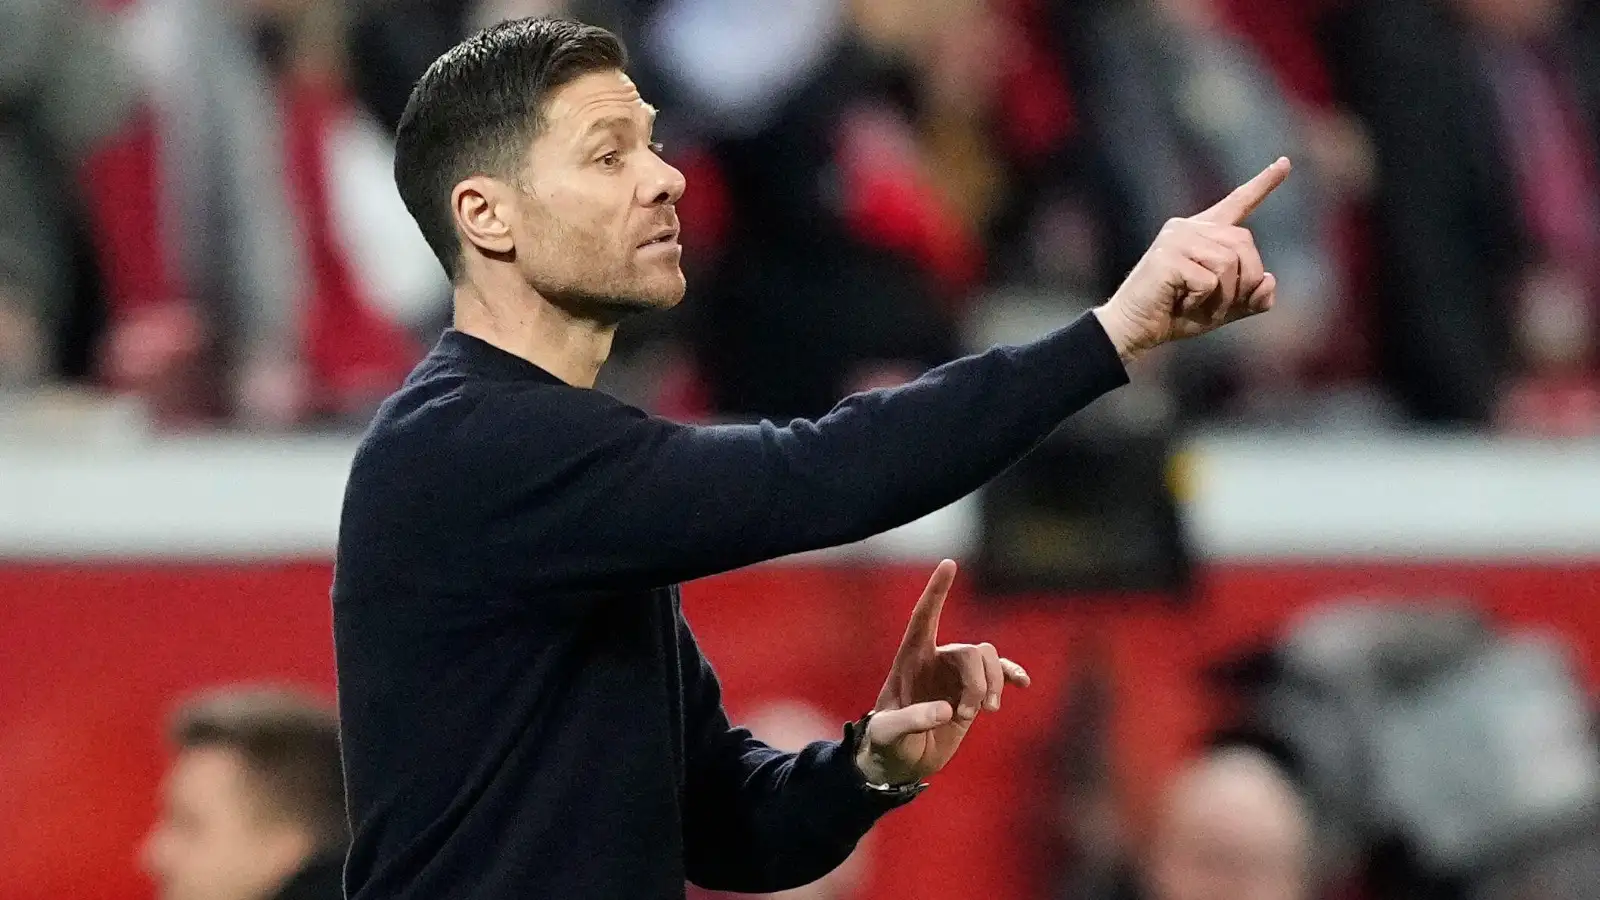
483 358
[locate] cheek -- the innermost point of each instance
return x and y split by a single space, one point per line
587 211
212 861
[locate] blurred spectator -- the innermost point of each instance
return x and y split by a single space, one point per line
254 803
998 130
789 725
1232 827
828 270
282 242
1086 839
1291 38
392 42
1484 117
63 88
1184 108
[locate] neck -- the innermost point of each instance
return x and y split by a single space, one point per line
519 321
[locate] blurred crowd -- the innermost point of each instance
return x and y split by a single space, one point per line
1412 749
199 208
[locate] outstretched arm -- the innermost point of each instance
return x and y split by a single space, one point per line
607 497
604 490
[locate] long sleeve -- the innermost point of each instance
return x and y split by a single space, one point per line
595 495
756 819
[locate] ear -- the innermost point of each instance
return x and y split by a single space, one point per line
482 208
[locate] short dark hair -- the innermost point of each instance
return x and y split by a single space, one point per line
289 742
479 106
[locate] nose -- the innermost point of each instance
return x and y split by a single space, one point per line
664 185
149 852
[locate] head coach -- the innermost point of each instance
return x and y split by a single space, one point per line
525 711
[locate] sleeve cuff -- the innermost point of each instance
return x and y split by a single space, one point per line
853 803
1088 341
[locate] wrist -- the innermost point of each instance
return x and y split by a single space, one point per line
871 772
1123 334
875 778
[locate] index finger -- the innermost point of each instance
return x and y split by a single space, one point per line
924 625
1237 206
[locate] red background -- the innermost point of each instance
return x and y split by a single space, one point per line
94 657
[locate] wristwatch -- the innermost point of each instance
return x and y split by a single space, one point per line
856 732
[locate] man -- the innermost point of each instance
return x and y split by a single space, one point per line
1232 828
253 807
526 710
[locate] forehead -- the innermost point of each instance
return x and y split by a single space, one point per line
214 775
593 97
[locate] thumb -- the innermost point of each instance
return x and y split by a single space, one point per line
893 724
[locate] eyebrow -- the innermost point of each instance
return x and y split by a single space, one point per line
611 122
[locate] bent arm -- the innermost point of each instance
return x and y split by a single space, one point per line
757 819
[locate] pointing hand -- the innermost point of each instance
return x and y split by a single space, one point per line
933 694
1200 274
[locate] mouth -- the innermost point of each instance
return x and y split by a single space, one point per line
664 236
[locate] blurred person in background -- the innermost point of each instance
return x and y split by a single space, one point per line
1181 106
1486 119
392 42
829 258
1232 826
253 805
288 273
996 130
1291 38
64 87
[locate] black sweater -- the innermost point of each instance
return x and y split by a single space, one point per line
525 711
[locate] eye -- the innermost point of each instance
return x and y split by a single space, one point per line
611 160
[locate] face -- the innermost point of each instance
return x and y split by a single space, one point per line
1212 858
593 223
1201 15
1514 19
211 843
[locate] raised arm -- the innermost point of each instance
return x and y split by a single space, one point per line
606 491
605 496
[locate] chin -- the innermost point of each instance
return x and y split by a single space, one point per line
673 295
616 302
655 293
